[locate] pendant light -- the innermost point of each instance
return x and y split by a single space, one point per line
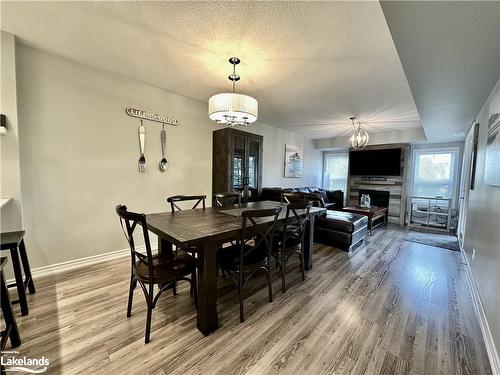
359 138
232 108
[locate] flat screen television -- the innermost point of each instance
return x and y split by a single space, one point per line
375 162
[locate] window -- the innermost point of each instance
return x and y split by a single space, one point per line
335 172
434 172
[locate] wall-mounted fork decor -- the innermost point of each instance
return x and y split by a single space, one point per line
142 139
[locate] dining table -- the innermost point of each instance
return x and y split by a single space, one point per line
206 229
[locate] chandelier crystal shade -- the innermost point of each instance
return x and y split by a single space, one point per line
359 138
232 108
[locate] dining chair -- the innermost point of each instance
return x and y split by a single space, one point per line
173 200
252 253
148 269
315 198
290 239
290 197
227 199
174 207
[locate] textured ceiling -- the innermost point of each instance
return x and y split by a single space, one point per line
450 52
311 65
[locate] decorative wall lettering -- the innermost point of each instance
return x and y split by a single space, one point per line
139 113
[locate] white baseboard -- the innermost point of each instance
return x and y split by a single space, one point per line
79 263
483 321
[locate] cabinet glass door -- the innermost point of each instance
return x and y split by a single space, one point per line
253 168
238 163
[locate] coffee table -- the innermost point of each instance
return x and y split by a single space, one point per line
374 214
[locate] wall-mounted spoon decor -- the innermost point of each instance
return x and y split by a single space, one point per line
163 139
142 138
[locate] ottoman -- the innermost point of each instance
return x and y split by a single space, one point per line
343 230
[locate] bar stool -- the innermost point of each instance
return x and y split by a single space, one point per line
11 330
14 242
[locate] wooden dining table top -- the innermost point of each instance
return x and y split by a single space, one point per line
193 226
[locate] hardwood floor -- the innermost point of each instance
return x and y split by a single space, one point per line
388 307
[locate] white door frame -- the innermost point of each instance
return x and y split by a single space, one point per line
465 184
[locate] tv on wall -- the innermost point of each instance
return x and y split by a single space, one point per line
375 162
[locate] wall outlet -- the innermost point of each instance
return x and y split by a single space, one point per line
473 253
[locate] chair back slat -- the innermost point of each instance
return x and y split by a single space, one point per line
182 198
227 199
129 222
294 226
291 197
315 198
256 227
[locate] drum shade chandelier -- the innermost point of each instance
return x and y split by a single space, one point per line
359 138
232 108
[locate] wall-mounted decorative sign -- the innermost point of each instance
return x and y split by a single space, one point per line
139 113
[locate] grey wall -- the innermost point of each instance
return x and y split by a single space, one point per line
482 230
274 157
10 185
79 152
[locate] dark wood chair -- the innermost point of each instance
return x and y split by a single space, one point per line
252 253
148 269
173 200
14 242
290 197
298 196
11 331
315 198
290 239
227 199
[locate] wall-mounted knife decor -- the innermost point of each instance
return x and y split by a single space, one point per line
139 113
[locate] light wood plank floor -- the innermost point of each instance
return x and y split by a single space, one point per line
389 306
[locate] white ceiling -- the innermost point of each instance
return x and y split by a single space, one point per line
311 65
450 52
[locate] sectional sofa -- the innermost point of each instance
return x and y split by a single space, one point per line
336 228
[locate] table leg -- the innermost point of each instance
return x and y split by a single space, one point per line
164 247
309 243
207 288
